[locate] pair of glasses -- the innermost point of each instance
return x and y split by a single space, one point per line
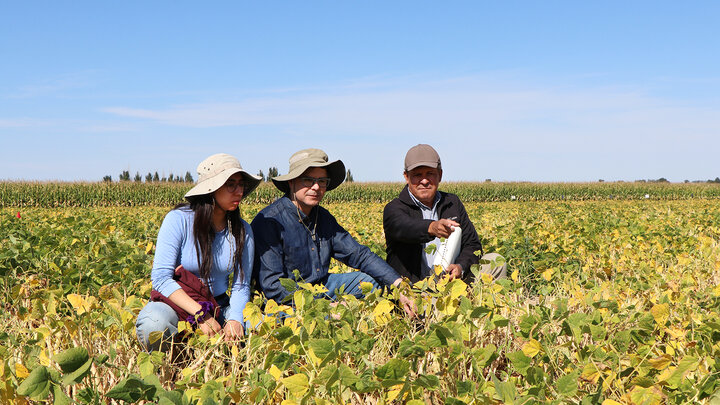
234 186
323 182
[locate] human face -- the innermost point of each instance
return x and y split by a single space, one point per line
229 195
423 182
305 197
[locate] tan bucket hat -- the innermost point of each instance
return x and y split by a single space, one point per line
214 171
307 158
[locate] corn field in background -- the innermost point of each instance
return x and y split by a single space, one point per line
102 194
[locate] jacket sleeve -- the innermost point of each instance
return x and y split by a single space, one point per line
470 241
347 250
269 262
399 225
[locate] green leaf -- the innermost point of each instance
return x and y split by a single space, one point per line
484 356
567 385
170 398
520 361
59 396
72 359
77 375
328 376
394 369
347 376
36 385
505 390
132 389
428 381
321 347
283 333
288 284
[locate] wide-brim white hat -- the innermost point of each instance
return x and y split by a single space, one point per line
214 171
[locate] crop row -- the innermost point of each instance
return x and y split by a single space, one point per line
49 194
612 302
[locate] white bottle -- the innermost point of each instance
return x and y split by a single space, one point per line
449 249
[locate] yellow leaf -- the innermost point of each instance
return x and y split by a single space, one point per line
21 371
661 362
457 288
486 278
275 372
382 312
234 351
288 402
547 274
393 394
660 312
532 348
514 276
252 314
148 248
611 402
297 384
44 360
80 304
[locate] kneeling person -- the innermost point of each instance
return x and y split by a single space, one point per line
295 232
421 215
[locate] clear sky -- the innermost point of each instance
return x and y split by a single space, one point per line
506 90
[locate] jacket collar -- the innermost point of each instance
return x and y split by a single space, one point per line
407 200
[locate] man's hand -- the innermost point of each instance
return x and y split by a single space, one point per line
233 330
210 326
454 271
408 306
442 228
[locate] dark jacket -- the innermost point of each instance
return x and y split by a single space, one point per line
406 232
283 244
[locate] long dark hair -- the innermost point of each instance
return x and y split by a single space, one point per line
204 233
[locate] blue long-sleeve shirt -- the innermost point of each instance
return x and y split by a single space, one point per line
176 245
283 243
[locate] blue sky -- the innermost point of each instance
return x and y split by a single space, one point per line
538 91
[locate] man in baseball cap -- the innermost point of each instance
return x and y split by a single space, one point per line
296 233
421 215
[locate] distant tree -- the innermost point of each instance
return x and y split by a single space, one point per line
124 176
164 179
137 178
349 177
188 177
686 181
107 178
601 181
261 175
272 172
148 178
170 177
717 180
662 180
156 177
488 180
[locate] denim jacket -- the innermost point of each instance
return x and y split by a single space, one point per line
284 242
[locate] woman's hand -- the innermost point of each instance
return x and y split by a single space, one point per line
233 330
209 326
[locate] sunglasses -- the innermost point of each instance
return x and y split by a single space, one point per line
323 182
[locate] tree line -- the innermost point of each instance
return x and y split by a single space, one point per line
188 178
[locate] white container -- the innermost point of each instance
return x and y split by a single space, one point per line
449 249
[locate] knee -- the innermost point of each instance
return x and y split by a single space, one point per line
497 266
157 321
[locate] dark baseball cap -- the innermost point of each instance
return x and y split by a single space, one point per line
422 155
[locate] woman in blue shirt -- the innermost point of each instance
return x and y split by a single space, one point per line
208 238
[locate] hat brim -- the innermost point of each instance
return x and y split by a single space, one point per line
336 172
213 184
